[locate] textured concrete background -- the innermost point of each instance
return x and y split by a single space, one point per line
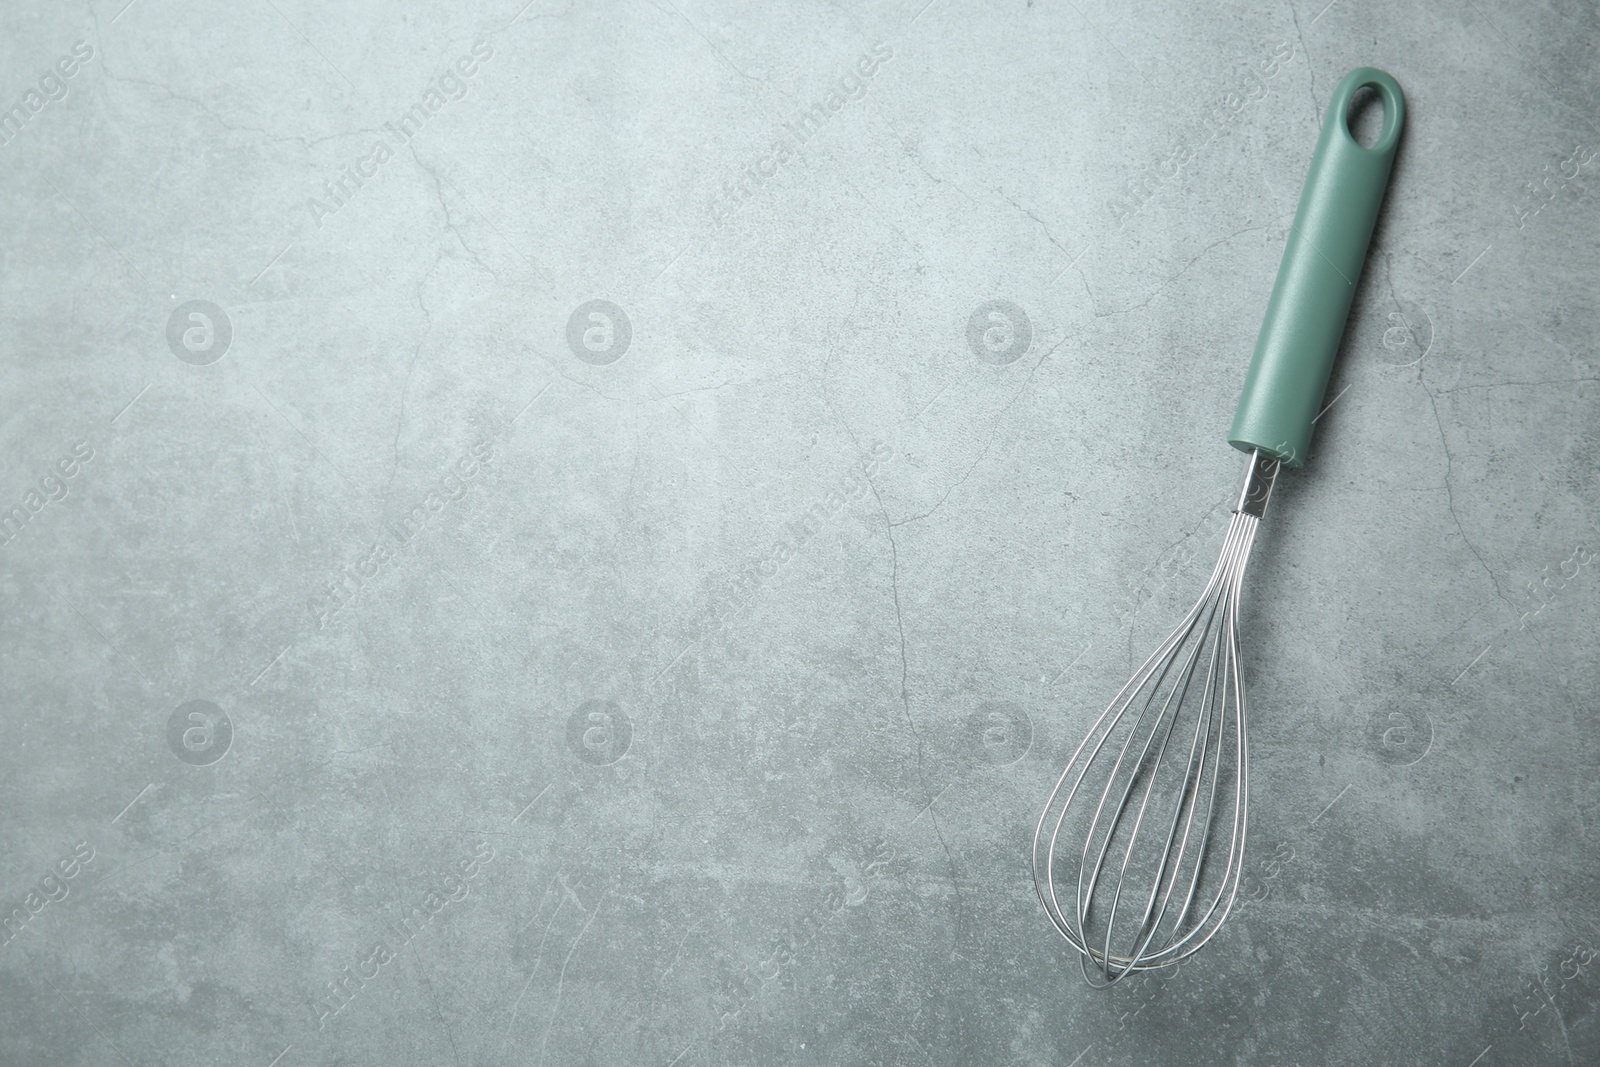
405 660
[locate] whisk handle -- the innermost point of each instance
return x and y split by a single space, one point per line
1316 283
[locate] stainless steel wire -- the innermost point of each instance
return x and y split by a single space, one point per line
1162 834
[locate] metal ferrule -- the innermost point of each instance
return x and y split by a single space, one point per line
1258 480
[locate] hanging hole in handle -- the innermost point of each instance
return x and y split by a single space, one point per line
1364 118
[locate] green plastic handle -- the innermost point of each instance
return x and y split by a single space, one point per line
1317 279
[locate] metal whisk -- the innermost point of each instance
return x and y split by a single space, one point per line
1158 793
1134 833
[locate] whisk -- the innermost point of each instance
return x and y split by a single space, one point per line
1158 792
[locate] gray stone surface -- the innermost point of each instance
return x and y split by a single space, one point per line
388 583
